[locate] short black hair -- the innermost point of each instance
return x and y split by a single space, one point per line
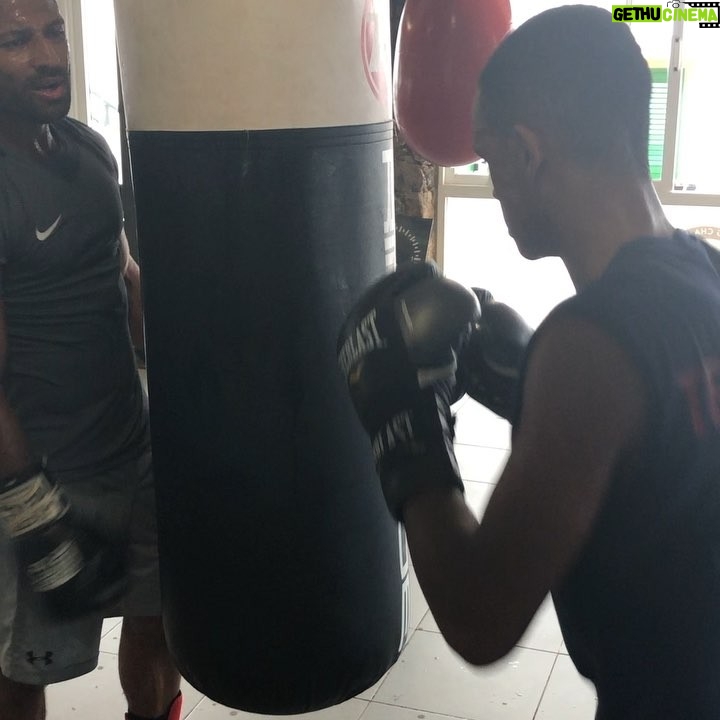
574 73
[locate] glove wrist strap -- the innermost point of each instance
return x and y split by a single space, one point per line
403 478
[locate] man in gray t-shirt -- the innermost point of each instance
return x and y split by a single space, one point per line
73 414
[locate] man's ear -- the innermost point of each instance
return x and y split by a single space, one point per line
529 149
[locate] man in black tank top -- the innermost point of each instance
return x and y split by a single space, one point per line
71 396
610 499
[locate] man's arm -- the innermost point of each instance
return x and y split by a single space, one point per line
583 408
74 578
14 451
131 274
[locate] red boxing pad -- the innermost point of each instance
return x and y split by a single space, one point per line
442 47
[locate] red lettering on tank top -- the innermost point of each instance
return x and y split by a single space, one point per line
702 393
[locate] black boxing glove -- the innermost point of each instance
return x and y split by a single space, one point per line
75 572
398 351
490 364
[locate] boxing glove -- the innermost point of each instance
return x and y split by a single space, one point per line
398 352
75 572
489 367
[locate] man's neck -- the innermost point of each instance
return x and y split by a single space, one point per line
32 139
605 216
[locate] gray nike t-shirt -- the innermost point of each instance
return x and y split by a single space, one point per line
70 373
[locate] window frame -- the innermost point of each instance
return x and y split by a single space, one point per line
454 184
71 10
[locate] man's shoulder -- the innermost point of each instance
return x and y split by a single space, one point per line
75 132
70 127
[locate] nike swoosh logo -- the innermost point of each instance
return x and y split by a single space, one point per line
43 235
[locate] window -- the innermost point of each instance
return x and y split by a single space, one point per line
91 32
684 156
696 169
473 244
482 254
101 75
658 111
683 151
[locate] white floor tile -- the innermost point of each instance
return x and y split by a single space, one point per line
480 464
418 604
110 624
476 425
477 496
428 623
370 693
430 677
376 711
568 696
544 631
110 641
209 710
92 696
98 696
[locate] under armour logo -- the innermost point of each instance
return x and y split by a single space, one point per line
32 658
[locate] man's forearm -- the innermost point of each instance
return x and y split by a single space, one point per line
14 451
131 275
462 578
135 309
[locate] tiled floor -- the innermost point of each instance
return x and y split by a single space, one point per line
537 681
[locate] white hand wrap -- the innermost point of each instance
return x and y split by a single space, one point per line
30 502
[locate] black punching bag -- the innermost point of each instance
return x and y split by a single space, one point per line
260 142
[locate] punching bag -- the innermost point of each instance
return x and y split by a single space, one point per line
442 47
260 139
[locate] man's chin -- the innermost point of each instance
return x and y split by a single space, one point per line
531 250
51 112
42 107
